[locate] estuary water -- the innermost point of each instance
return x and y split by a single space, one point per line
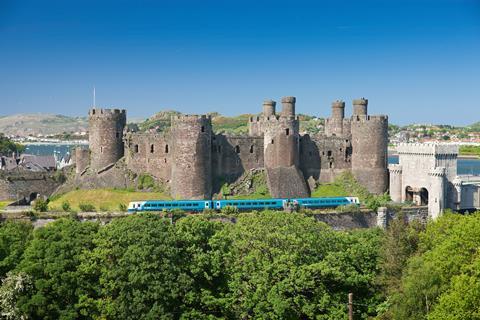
50 149
464 166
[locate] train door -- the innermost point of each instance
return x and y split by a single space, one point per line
217 205
207 204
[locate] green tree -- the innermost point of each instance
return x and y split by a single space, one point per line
7 146
14 238
51 260
448 246
287 266
134 271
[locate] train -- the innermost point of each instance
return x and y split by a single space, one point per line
241 205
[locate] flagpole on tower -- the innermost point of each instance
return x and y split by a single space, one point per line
94 97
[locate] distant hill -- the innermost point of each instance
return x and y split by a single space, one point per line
37 123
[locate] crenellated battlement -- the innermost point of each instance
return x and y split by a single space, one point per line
395 169
100 112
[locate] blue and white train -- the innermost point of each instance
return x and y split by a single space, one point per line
242 205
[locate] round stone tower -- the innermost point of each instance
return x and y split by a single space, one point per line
192 157
105 136
334 124
360 107
288 106
369 151
269 108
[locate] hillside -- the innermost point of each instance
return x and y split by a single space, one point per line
37 123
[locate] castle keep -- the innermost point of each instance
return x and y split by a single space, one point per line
194 161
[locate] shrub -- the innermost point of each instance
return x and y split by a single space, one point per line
145 181
229 210
40 205
122 207
103 208
66 206
87 207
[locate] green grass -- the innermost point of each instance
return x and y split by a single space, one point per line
108 199
469 150
3 204
330 190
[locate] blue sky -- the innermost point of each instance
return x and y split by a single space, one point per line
417 61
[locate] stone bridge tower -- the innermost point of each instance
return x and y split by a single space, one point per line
192 157
105 136
370 146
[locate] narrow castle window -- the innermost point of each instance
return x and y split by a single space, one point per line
101 149
166 148
272 141
93 111
329 153
237 149
331 165
117 134
203 128
165 160
251 149
136 148
287 131
152 148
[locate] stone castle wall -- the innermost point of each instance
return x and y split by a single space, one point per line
192 157
195 161
149 153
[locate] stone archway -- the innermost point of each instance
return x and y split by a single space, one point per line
423 197
409 194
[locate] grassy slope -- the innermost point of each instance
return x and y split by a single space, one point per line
330 190
108 199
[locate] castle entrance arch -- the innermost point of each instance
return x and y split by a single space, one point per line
423 197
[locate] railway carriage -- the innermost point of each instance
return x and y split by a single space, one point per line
325 202
250 204
161 205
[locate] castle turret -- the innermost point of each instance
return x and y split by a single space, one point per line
360 107
191 164
269 108
334 125
288 106
281 136
369 149
106 136
396 188
436 194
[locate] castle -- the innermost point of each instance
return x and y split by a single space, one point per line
194 161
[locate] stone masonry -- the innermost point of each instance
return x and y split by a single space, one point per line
194 161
